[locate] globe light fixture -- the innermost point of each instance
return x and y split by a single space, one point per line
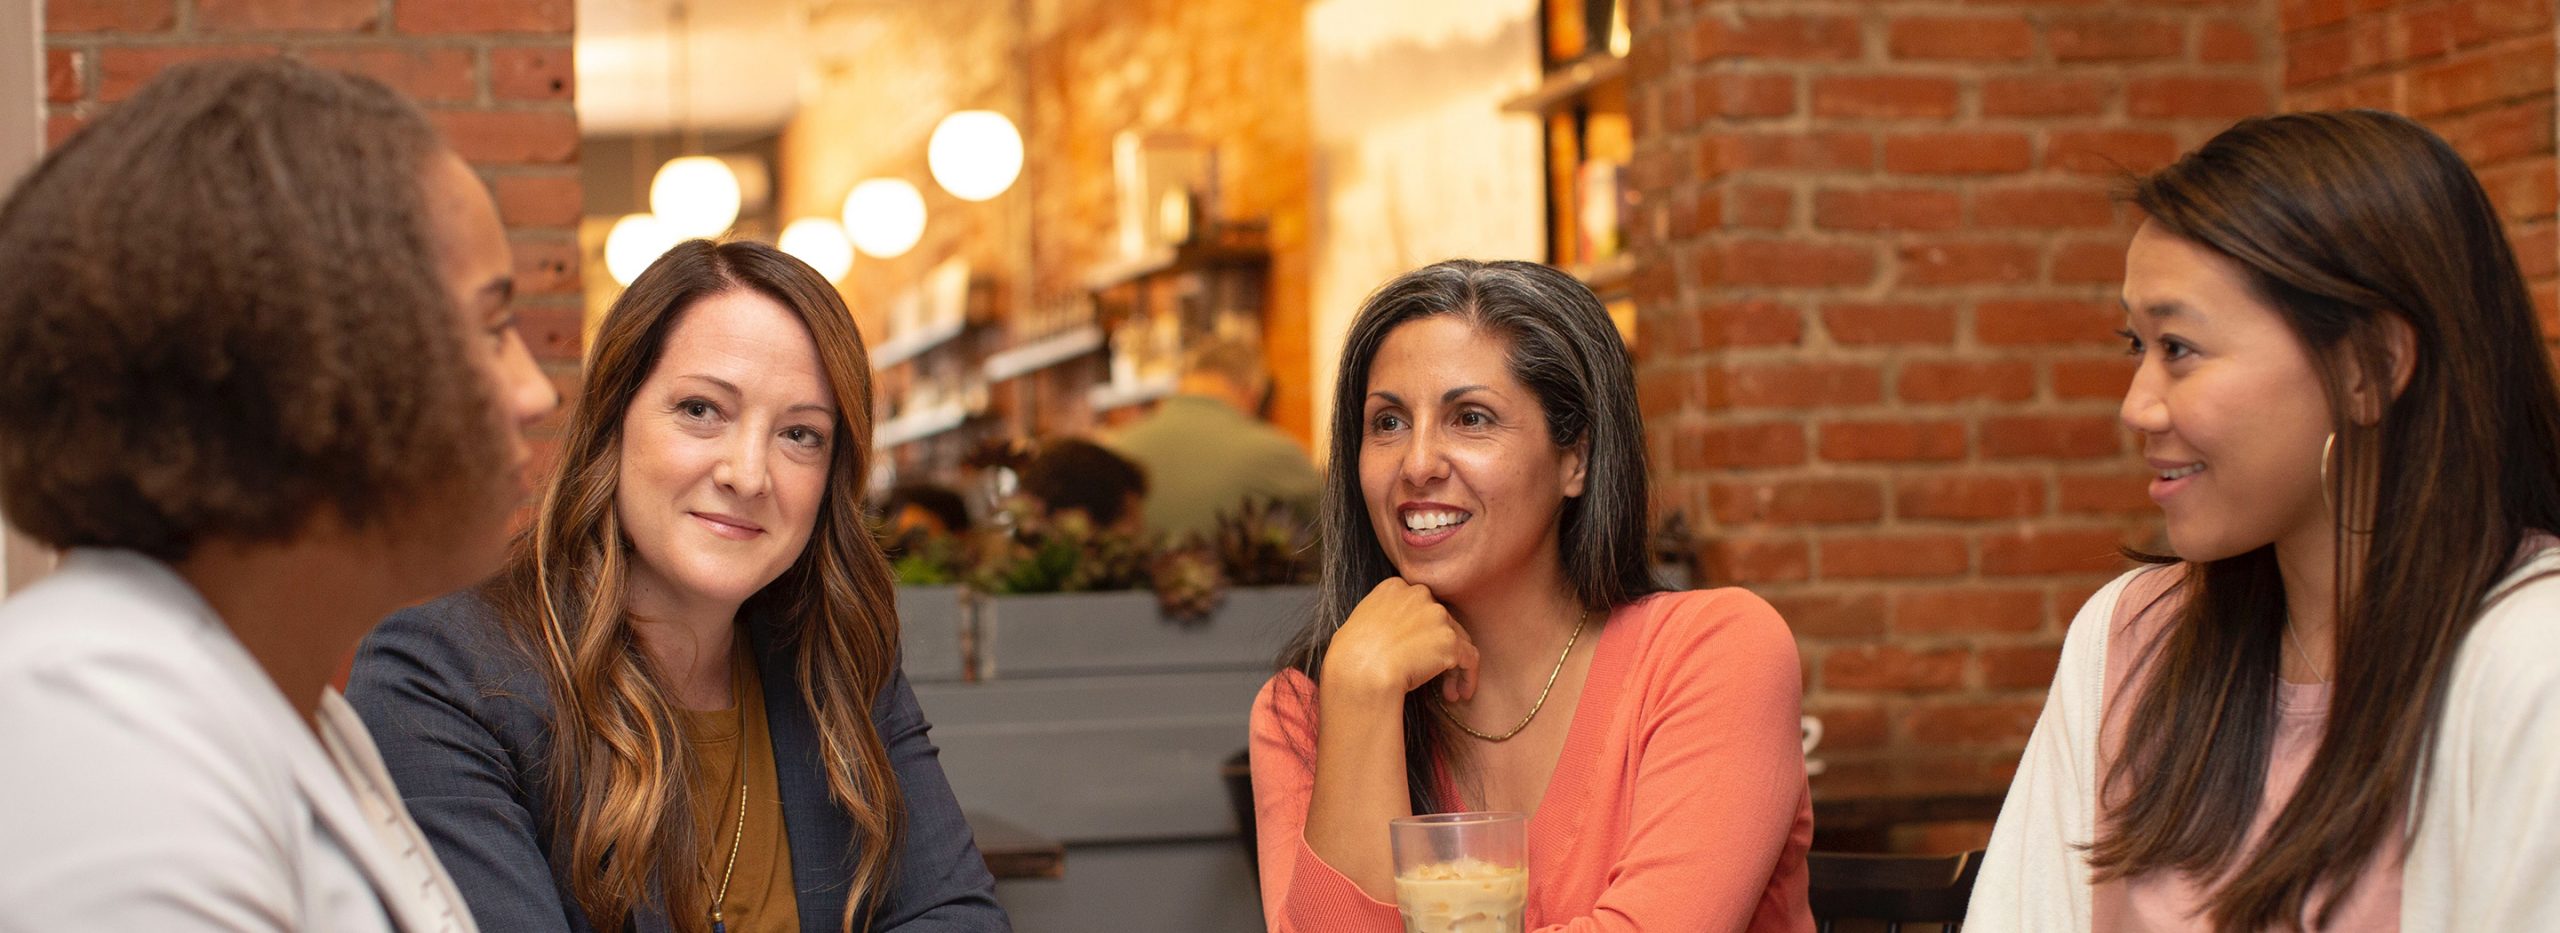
634 242
821 243
884 217
975 154
696 196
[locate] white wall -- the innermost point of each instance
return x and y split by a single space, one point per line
21 140
1415 161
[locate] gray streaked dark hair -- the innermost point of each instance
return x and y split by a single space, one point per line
1564 348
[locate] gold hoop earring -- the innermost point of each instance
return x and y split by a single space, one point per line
2326 447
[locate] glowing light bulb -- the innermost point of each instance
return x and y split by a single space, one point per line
821 243
697 196
884 217
636 241
975 154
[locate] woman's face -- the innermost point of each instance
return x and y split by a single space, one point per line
725 456
473 261
1461 481
2231 412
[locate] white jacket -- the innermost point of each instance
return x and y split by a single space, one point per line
153 778
2486 855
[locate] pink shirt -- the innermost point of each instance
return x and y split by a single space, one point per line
2170 901
1679 802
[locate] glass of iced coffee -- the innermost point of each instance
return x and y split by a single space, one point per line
1462 872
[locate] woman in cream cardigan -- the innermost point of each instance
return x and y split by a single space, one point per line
266 387
2334 707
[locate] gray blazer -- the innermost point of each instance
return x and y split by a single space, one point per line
463 718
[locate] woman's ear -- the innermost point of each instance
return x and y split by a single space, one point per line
2399 361
1577 464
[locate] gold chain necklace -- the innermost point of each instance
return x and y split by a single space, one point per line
716 899
2306 653
738 693
1533 707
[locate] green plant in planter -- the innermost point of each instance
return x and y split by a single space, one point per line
1188 583
1263 543
921 558
1033 553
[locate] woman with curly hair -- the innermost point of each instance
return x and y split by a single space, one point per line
268 389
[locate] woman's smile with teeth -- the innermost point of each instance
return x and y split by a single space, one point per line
2182 472
1427 521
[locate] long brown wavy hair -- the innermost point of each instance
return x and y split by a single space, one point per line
618 764
2342 221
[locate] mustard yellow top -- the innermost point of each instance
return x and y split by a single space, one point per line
761 896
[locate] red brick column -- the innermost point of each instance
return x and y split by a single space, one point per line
1875 347
495 75
2477 71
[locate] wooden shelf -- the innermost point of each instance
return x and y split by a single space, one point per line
1043 353
1568 83
1228 245
1111 395
918 425
1608 277
912 344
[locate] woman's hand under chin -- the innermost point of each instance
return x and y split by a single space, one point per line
1398 639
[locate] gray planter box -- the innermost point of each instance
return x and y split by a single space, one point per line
1119 758
1078 634
933 627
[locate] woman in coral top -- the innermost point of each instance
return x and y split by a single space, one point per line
1489 636
2332 705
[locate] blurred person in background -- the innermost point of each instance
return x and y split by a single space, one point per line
1073 474
1205 451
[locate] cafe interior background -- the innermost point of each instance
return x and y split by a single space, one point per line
1863 250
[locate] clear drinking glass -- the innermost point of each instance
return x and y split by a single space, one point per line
1462 872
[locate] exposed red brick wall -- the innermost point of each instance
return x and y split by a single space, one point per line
2477 71
1880 260
494 74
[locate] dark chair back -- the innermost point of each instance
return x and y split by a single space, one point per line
1238 773
1895 889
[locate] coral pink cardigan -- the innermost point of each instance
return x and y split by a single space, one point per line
1679 802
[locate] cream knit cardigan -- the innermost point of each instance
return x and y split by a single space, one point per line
2486 852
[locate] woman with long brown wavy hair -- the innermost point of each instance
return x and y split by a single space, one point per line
679 706
2333 707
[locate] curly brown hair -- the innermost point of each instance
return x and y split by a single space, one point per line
223 320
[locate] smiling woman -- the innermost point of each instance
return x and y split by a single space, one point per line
2330 708
679 705
1489 637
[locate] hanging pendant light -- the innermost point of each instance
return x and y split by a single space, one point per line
696 196
975 154
634 242
821 243
884 217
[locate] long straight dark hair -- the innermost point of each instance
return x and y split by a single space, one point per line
2344 222
619 765
1564 348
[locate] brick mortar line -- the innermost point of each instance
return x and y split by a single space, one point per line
2404 65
